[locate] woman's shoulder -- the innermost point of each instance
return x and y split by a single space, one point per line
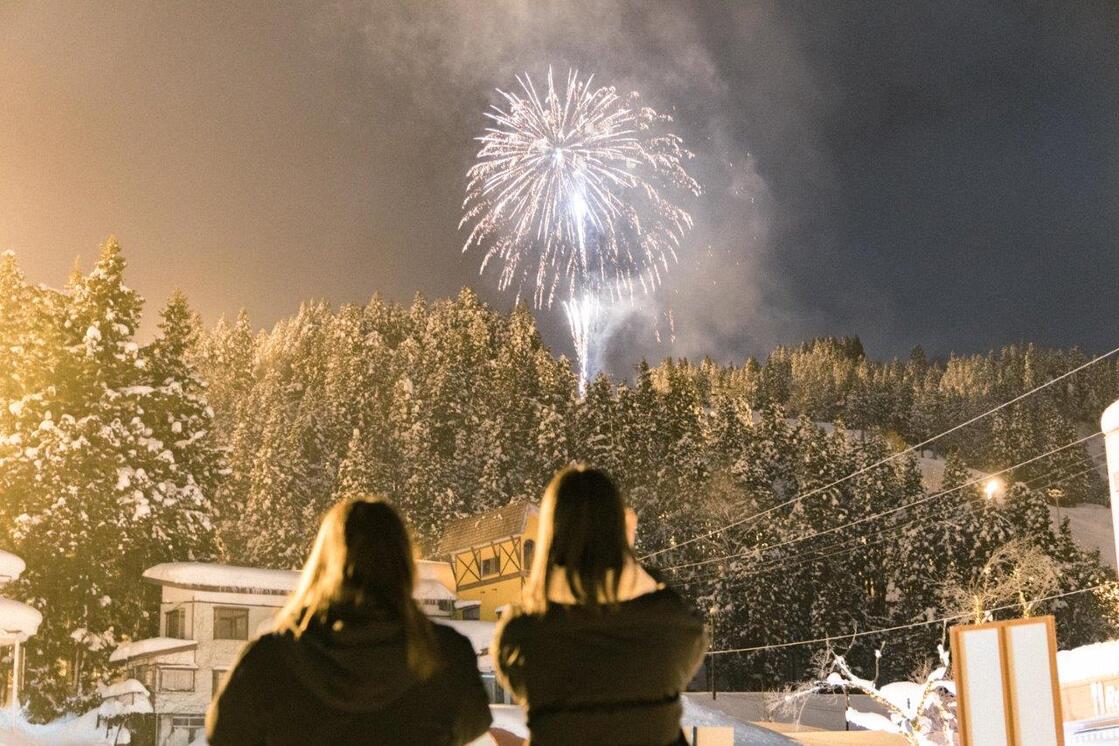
451 641
266 647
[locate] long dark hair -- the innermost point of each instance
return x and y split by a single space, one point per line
582 533
363 557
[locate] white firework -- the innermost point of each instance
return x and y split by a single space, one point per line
572 195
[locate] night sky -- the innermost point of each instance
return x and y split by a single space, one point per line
937 173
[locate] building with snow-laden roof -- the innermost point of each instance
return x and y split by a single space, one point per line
1089 681
491 555
209 611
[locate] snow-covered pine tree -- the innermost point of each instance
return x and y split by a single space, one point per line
180 418
356 475
225 357
101 492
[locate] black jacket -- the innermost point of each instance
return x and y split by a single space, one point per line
609 676
349 687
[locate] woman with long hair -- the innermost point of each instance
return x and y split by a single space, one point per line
601 650
352 658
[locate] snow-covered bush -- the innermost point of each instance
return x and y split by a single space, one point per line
923 712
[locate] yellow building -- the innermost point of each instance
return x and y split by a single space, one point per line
491 555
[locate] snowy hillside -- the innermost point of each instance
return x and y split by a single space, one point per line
1090 524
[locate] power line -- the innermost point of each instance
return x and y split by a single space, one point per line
888 459
859 542
884 630
891 511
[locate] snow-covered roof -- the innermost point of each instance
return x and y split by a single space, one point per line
151 646
11 567
18 621
116 707
120 688
1088 662
208 576
1110 420
426 588
485 528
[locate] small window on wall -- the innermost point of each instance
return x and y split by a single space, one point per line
176 624
145 675
192 724
489 566
494 691
176 680
218 681
230 623
530 551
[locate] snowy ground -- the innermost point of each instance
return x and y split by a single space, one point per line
68 731
510 718
1091 527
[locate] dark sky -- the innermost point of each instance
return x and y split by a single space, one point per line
938 173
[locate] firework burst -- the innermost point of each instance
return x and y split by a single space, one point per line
572 195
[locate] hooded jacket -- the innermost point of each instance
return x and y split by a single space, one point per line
611 675
349 684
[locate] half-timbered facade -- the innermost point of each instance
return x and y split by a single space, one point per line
491 555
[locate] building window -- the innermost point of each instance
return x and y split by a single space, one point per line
192 724
472 612
489 566
175 624
530 550
446 604
231 624
494 690
145 675
218 681
176 679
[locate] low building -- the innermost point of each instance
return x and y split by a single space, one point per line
208 612
18 621
490 555
1089 681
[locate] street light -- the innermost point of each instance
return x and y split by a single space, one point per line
993 487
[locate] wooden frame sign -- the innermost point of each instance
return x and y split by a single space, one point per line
1006 683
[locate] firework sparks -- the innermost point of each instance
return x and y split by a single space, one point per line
571 195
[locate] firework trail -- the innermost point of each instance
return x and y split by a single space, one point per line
571 194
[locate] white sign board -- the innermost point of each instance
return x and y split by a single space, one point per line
1006 683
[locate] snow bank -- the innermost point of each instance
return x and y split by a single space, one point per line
151 646
745 734
18 621
1088 662
11 567
69 730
